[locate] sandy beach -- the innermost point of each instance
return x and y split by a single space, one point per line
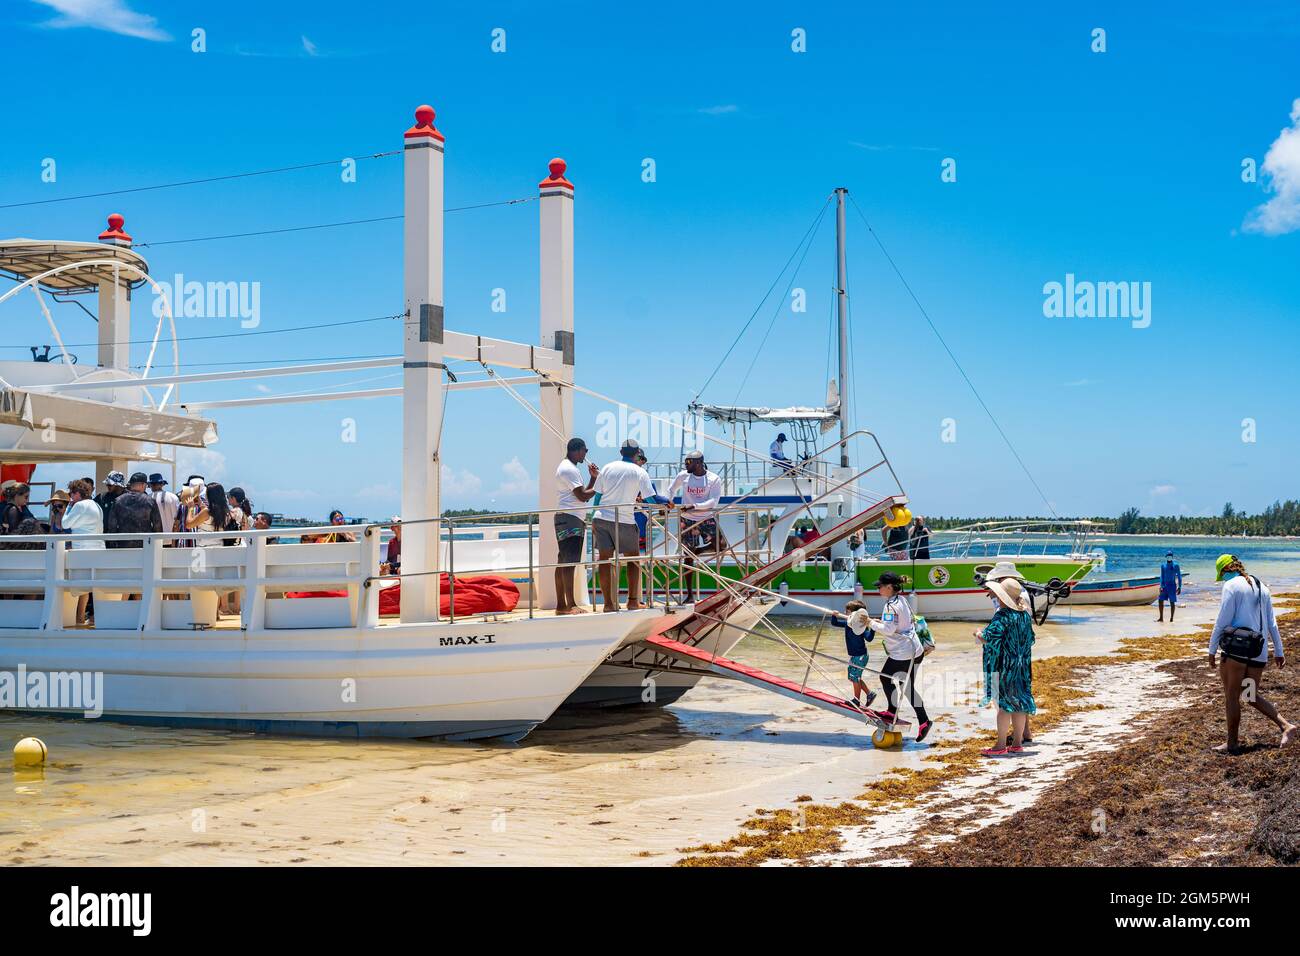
611 787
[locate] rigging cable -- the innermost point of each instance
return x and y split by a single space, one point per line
243 334
809 237
196 182
817 219
974 391
323 225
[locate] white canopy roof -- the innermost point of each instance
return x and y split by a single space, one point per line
825 417
80 416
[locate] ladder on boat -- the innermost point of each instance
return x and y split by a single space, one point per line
675 646
697 659
706 614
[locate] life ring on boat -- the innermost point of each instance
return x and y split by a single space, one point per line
898 516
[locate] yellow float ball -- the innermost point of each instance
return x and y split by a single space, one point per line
880 738
895 738
30 752
899 515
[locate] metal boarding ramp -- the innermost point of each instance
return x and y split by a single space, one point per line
676 646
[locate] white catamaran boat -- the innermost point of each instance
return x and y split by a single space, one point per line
311 650
318 666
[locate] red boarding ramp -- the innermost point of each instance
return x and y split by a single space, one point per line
703 617
724 667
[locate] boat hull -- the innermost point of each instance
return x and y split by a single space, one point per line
615 685
1126 592
463 681
943 589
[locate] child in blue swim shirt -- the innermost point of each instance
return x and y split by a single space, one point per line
857 633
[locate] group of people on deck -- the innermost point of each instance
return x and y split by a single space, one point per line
142 504
622 494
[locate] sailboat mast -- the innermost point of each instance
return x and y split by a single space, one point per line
842 294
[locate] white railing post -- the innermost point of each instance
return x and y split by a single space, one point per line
369 604
253 604
150 582
55 564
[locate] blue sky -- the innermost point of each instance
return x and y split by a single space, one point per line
1121 166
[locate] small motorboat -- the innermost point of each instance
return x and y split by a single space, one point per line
1129 592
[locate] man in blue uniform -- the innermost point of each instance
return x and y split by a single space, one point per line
1171 585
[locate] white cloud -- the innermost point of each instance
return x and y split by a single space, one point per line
200 461
1160 491
459 483
721 110
309 46
380 492
113 16
1281 214
515 481
290 494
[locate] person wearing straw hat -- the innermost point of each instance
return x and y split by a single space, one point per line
58 505
1243 631
1002 570
1008 674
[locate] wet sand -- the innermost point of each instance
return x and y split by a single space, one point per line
609 788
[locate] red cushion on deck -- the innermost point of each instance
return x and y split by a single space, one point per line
483 594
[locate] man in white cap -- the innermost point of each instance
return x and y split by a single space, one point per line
701 493
114 486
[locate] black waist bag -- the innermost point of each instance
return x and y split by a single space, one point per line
1245 642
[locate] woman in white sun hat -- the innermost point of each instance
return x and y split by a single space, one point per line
1008 640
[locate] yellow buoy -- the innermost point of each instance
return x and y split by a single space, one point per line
30 752
895 738
899 515
880 738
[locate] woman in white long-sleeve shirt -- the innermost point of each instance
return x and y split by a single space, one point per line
1243 631
84 517
897 628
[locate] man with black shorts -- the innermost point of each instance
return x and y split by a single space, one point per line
701 493
570 522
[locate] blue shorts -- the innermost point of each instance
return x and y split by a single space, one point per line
856 663
1169 595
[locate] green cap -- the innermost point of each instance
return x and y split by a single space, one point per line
1223 561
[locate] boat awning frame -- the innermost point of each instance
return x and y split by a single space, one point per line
80 416
21 259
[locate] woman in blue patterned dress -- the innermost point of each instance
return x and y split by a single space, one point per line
1008 640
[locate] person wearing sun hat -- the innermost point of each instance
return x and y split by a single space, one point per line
1243 631
1008 640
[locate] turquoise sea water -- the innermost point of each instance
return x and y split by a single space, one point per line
1275 560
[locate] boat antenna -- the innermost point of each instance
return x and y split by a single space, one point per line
842 299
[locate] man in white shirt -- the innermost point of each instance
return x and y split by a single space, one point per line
168 504
571 522
701 493
614 527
